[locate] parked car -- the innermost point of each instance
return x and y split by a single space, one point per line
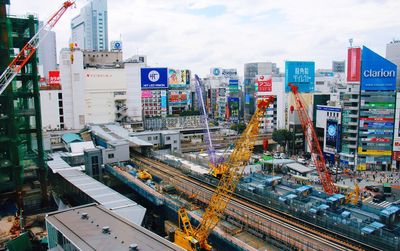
277 156
335 170
372 188
301 161
378 198
283 156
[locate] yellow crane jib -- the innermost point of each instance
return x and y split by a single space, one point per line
196 238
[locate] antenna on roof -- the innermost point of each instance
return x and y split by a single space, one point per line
351 42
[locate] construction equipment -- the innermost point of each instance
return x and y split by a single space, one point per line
213 162
196 238
354 196
313 143
144 175
29 49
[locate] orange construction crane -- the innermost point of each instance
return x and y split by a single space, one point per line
29 49
313 143
191 238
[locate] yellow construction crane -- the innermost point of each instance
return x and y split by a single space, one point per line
191 238
353 196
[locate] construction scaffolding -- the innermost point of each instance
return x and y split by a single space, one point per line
21 147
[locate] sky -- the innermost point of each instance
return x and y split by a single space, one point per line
201 34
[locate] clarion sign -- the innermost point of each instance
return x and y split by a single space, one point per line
379 74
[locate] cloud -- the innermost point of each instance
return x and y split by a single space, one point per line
200 34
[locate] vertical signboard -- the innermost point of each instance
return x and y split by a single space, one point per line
301 74
233 105
264 83
163 101
378 73
154 78
178 78
353 64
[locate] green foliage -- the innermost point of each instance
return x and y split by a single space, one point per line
238 127
282 136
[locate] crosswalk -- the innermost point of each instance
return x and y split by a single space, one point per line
383 204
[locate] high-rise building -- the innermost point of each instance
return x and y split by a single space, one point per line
90 27
251 70
47 53
377 112
350 106
393 54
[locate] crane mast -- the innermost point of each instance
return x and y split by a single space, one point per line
29 49
213 163
196 238
313 143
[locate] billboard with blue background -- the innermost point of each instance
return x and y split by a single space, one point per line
154 78
301 74
377 73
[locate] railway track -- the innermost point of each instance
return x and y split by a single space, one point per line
301 227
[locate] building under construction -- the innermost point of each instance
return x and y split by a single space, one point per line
22 166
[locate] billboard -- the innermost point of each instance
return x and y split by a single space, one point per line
233 106
377 73
178 97
301 74
146 94
353 64
178 78
216 72
264 83
154 78
331 133
54 78
233 85
229 73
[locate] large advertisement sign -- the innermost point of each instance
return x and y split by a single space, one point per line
233 105
154 78
178 78
146 94
353 64
178 98
54 78
331 133
301 74
264 83
377 73
233 85
229 73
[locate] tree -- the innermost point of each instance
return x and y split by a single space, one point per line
238 127
282 136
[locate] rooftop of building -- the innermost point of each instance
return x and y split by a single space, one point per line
93 227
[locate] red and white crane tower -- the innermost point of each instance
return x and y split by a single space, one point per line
313 143
29 49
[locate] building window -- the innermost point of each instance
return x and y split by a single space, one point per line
149 138
60 95
168 138
175 141
62 119
155 138
110 155
60 103
61 111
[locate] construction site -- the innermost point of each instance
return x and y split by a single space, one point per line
109 188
